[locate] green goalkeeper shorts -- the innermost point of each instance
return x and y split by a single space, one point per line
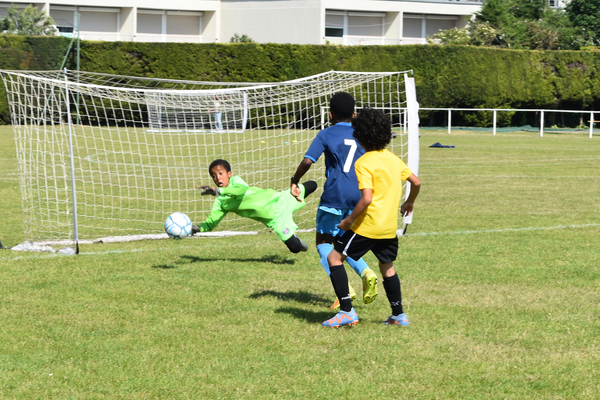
283 224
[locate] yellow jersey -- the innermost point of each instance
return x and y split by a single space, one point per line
383 172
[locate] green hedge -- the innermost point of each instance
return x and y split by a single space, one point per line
29 53
446 76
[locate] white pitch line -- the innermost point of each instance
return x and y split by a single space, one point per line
50 255
518 176
425 161
542 228
33 255
482 165
121 251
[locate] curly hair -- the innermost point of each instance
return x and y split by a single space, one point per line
342 105
372 129
220 162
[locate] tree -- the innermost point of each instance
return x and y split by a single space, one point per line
29 22
585 14
529 10
525 24
495 12
512 20
240 39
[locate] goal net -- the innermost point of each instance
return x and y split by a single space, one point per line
103 156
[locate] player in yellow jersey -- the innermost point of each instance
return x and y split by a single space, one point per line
373 223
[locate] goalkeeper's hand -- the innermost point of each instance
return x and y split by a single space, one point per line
295 191
209 190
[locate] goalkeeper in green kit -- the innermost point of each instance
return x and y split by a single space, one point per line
272 208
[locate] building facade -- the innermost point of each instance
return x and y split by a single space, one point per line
344 22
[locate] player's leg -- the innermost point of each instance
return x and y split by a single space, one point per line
327 222
367 275
359 266
369 283
339 280
348 245
284 226
324 248
386 251
309 187
295 245
327 230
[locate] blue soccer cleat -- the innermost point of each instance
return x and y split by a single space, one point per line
397 320
342 318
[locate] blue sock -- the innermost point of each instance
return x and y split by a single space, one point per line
324 250
358 266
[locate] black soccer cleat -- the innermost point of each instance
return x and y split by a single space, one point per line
304 246
195 229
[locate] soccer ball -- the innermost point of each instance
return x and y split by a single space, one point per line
178 226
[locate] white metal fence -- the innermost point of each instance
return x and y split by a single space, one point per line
496 110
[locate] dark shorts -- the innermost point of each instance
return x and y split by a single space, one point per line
355 246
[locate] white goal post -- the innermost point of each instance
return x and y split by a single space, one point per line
104 156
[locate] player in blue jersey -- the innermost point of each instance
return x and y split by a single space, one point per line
340 193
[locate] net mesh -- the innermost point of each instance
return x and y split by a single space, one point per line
141 147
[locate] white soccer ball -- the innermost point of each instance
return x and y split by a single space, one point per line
178 226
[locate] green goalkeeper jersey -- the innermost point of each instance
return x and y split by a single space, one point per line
263 205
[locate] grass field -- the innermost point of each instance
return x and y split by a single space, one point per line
500 275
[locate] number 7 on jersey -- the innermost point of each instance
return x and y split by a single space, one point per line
348 163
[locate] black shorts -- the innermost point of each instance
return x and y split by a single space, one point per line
355 246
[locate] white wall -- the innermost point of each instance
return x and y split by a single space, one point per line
292 21
275 21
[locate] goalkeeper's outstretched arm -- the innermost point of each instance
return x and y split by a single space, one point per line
216 215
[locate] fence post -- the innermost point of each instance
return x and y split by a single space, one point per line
494 122
449 120
542 123
591 123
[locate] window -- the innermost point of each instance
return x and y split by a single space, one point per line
436 25
64 20
334 25
334 32
365 26
149 24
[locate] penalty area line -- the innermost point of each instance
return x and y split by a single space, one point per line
34 255
469 232
538 228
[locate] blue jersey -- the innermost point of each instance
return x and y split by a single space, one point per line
341 151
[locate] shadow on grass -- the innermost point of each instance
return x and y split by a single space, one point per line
308 316
274 259
299 296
